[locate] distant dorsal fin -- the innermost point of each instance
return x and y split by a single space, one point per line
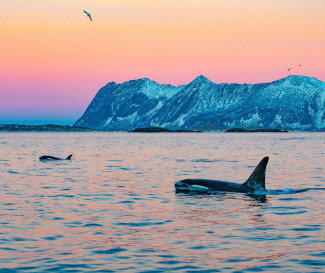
257 179
69 157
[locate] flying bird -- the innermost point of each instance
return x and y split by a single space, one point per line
289 69
88 14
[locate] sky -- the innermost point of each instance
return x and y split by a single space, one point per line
53 59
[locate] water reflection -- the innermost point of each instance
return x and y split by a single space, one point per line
261 198
114 207
202 201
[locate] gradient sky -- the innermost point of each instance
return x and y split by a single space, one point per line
53 60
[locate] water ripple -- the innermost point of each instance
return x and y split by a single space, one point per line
110 251
113 208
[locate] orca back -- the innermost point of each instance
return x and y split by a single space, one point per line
48 157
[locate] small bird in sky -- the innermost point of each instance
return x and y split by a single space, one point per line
88 14
289 68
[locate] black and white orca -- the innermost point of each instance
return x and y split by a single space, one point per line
255 183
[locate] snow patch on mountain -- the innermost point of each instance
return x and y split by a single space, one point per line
317 113
253 120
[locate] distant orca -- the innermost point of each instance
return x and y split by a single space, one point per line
256 182
48 157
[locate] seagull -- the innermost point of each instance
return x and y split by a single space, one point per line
88 14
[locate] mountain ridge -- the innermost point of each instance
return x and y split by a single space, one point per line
294 102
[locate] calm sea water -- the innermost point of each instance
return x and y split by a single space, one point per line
113 207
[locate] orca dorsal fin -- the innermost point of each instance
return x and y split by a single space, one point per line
69 157
257 179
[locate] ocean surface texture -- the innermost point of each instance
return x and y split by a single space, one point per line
113 207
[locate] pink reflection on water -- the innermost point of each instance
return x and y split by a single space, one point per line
116 199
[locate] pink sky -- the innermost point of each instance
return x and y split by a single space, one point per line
54 60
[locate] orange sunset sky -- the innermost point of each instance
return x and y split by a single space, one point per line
54 59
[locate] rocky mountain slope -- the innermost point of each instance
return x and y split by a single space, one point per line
295 102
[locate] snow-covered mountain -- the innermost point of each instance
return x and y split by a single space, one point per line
295 102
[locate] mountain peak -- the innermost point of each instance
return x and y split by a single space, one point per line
111 83
298 80
201 79
144 79
140 80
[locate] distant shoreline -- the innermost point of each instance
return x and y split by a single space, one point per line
161 130
67 128
43 128
255 130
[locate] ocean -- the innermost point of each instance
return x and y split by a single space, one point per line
113 207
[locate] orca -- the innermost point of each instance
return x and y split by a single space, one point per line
49 157
255 183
